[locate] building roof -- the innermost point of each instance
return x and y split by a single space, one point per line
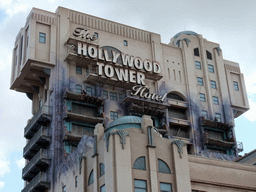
125 122
185 32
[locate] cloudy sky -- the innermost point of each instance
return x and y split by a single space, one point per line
231 23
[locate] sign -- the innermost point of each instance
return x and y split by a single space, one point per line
143 92
132 69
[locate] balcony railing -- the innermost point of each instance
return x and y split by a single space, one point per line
177 103
240 147
39 181
41 117
41 138
177 121
38 162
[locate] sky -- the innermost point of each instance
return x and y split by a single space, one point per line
231 23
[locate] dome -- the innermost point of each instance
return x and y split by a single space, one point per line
125 122
186 33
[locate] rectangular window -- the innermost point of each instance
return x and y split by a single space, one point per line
202 97
78 88
215 100
200 81
120 96
76 181
113 96
211 68
165 187
204 114
140 185
102 188
42 37
105 94
218 117
78 70
113 115
198 65
125 43
88 90
236 86
213 84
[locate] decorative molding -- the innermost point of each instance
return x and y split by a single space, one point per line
109 26
180 145
185 39
122 134
218 50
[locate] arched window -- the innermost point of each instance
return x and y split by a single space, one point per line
163 167
91 178
196 52
209 55
140 163
175 96
102 169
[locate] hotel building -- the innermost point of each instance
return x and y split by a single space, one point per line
115 109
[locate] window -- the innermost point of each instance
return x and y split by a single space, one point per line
120 96
236 86
102 169
140 185
113 96
163 167
165 187
105 94
78 70
202 97
102 188
91 179
78 88
113 115
209 55
140 163
125 43
215 100
42 37
76 181
198 65
64 188
211 68
213 84
88 90
196 52
200 81
218 117
204 114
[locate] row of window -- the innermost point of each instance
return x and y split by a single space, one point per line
200 81
199 66
203 98
141 186
208 54
217 115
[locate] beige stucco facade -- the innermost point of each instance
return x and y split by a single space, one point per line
81 71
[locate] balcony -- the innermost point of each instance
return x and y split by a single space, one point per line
39 140
39 162
217 142
38 183
42 117
84 118
177 103
77 133
180 122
